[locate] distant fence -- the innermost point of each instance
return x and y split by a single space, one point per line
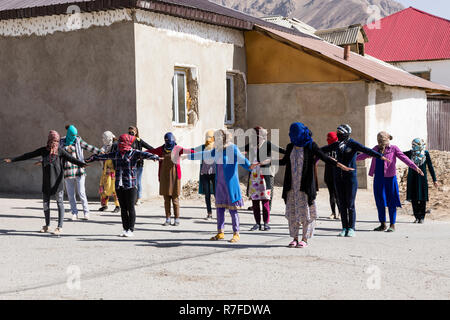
438 122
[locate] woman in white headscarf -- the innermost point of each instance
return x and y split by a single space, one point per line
417 187
108 178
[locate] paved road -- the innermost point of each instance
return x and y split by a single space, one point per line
181 263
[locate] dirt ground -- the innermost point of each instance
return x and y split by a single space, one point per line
90 261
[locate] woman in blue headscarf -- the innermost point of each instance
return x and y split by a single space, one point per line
170 175
299 187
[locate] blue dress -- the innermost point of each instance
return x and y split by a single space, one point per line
385 189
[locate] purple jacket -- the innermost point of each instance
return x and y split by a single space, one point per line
392 153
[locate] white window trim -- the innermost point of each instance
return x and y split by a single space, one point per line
175 97
231 77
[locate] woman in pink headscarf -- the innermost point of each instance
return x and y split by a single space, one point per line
53 160
125 163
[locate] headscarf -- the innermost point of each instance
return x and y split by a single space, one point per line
383 139
169 141
418 151
332 137
71 135
261 135
300 135
222 139
108 139
343 133
125 143
209 140
53 143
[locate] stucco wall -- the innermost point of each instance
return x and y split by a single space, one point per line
83 77
162 43
404 115
322 107
440 70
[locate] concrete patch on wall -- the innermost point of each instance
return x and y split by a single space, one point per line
46 25
192 30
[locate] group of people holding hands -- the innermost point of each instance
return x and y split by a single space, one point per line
123 158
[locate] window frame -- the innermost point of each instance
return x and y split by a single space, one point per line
176 121
231 78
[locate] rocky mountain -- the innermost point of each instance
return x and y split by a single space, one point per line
321 14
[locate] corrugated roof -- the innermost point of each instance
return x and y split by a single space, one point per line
368 68
410 35
342 36
292 23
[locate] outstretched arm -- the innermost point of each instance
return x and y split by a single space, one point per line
243 161
64 154
145 155
402 157
86 146
106 156
26 156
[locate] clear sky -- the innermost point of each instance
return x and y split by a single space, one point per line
440 8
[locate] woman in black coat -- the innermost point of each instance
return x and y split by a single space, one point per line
53 160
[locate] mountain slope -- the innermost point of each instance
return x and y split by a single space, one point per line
321 14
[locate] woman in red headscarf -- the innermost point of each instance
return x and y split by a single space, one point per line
329 177
53 160
125 163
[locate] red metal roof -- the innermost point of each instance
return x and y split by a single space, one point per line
368 68
409 35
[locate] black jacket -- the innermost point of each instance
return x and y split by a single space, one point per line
308 183
52 171
138 144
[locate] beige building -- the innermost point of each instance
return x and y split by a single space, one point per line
165 66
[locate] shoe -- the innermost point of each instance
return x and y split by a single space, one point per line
302 244
266 227
103 208
293 244
86 216
209 217
167 223
382 227
421 221
176 223
416 221
338 217
343 233
235 238
45 229
391 229
116 209
129 234
351 233
218 236
332 216
123 233
74 217
57 231
255 227
138 202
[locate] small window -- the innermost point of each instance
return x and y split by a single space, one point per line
179 105
229 112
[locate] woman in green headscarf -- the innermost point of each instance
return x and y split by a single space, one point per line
74 175
417 187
